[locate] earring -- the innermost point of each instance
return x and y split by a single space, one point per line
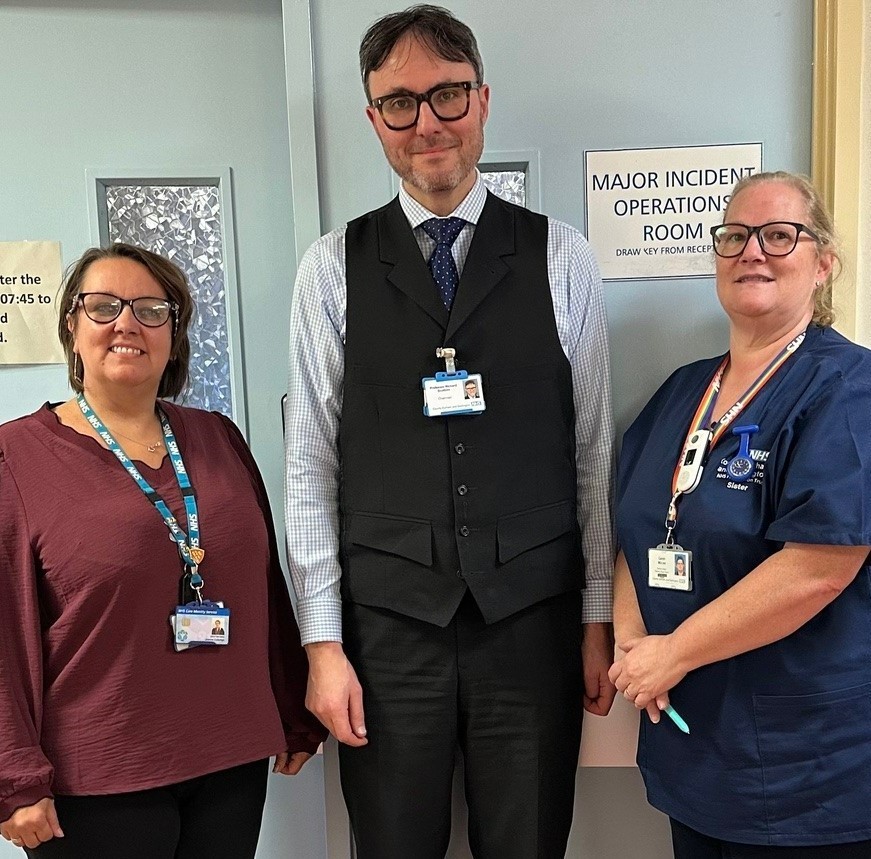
77 375
819 284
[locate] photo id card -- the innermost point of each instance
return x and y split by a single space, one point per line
453 394
199 625
670 567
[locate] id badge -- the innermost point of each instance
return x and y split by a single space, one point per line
200 624
670 567
459 393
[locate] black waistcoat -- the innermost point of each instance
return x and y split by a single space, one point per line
431 506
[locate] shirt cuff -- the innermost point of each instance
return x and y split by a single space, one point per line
319 620
23 798
305 742
598 602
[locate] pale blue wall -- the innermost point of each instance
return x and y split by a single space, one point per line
173 84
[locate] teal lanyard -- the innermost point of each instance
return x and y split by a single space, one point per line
188 544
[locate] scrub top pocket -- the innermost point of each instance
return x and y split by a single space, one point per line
812 747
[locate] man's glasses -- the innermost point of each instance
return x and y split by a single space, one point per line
776 238
104 307
448 102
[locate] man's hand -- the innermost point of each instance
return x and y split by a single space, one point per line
290 764
334 694
32 825
597 652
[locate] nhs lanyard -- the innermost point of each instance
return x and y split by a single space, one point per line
703 435
188 544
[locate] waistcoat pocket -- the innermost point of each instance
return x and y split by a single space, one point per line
520 532
394 535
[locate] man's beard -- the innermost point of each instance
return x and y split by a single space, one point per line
435 181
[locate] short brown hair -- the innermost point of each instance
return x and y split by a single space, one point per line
433 26
819 220
174 283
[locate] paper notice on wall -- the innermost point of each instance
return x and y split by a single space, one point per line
30 276
649 211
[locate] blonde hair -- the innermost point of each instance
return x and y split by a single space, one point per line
819 220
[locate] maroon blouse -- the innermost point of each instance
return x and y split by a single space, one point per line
93 697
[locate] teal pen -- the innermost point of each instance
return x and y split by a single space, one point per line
676 718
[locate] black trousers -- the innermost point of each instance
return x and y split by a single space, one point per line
215 816
689 844
509 695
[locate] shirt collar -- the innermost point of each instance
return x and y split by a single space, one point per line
469 209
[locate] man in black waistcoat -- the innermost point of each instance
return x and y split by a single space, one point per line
439 546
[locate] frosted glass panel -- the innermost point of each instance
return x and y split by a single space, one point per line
508 184
183 224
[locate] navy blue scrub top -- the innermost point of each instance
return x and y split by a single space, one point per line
780 749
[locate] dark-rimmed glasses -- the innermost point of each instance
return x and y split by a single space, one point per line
776 238
103 307
449 102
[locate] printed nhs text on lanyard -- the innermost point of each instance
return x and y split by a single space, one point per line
188 544
670 565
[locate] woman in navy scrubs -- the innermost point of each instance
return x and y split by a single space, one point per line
755 467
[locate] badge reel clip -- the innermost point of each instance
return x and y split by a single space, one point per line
191 587
450 371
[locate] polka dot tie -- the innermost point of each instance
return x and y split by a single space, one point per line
444 270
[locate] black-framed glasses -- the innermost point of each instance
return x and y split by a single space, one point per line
449 102
776 238
103 307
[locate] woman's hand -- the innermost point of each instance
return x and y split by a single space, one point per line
647 672
290 764
32 825
654 708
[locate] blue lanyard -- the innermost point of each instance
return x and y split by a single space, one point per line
188 544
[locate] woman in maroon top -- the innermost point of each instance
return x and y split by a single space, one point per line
113 742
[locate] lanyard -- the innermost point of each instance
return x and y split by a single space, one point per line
703 435
188 544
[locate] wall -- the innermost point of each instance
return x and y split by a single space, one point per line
172 84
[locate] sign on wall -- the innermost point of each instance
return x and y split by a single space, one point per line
649 211
30 276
